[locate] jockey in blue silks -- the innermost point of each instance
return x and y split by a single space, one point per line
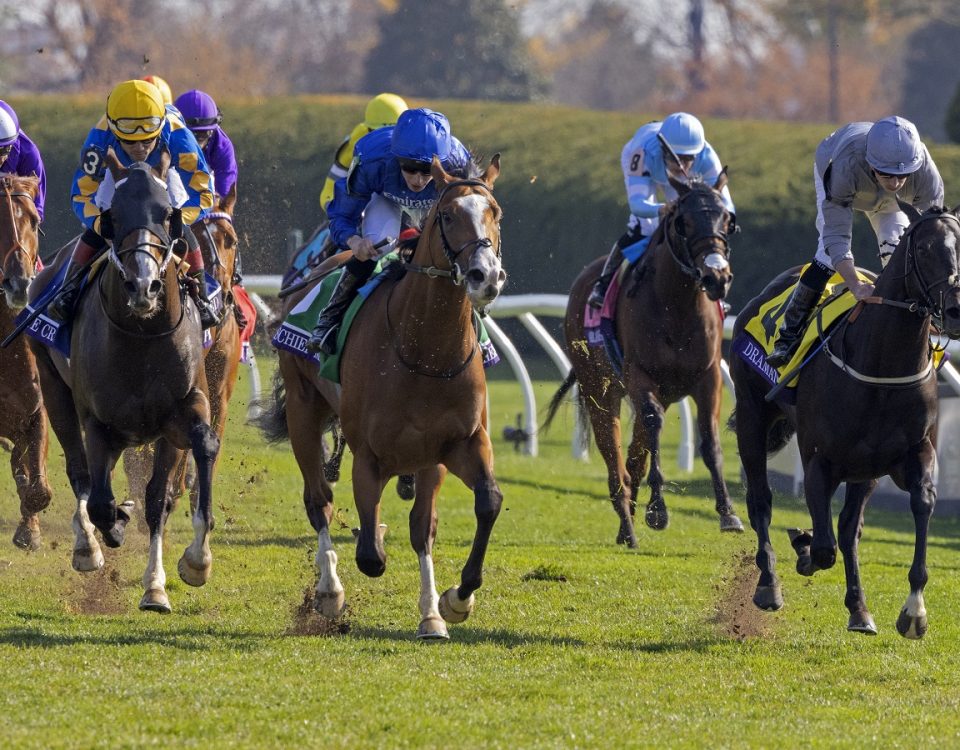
389 176
647 165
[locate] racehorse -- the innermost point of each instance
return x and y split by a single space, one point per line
867 409
412 399
670 331
135 375
22 417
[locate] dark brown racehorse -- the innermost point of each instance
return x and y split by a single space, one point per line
670 330
866 407
135 375
413 398
22 418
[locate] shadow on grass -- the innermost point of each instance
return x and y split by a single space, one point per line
185 639
560 489
472 636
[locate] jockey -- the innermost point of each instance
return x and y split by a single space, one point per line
19 155
865 167
382 110
647 163
389 176
137 127
203 117
165 93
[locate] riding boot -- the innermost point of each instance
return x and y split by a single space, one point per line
209 318
802 301
599 291
61 306
324 335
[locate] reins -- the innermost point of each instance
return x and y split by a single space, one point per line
17 246
687 266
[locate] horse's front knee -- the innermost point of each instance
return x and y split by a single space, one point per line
487 501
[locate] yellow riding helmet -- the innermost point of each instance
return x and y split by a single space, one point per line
164 87
383 109
135 111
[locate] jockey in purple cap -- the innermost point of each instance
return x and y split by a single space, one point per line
18 154
203 117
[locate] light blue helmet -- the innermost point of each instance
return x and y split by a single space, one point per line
894 147
419 134
684 133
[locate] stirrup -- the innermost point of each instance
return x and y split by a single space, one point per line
597 296
323 340
781 356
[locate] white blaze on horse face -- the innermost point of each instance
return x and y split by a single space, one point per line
716 262
485 277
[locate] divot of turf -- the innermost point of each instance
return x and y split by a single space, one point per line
736 616
307 621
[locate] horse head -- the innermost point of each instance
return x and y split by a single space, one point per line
143 226
697 230
19 243
468 217
931 256
218 240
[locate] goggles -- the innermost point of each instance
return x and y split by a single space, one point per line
887 175
414 167
203 122
134 125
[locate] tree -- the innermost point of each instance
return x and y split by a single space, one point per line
468 49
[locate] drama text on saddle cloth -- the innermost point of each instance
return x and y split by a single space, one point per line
647 165
389 176
19 155
138 127
863 167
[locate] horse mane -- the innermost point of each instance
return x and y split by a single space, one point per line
15 183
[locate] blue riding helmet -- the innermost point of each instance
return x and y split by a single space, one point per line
419 134
893 146
684 133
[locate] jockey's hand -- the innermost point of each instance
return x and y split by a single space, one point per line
363 248
862 290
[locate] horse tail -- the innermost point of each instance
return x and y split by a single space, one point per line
558 399
778 433
273 415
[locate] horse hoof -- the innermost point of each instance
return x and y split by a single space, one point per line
768 598
87 560
657 518
453 609
730 522
329 604
192 575
155 600
862 622
406 487
114 538
27 537
432 629
910 626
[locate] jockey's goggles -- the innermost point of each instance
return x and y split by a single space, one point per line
414 166
888 176
134 125
203 122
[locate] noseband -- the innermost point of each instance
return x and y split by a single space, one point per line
927 305
17 246
115 256
702 207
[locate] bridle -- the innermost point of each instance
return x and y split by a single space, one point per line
214 252
17 246
927 305
116 256
706 205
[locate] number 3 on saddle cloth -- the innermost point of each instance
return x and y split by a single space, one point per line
293 333
759 335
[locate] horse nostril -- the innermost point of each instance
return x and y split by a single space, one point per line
475 276
155 286
130 287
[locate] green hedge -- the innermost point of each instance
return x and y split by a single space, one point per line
561 187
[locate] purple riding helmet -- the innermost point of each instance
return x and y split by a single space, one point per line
9 125
199 110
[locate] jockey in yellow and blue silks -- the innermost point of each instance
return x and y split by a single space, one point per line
647 166
137 127
381 111
389 176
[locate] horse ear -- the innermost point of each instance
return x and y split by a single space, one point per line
113 164
721 182
228 201
440 176
163 165
492 172
681 187
912 213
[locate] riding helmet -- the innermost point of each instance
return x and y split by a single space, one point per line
165 92
135 111
684 133
893 146
9 124
420 134
383 110
199 110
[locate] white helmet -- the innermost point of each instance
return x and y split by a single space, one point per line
894 147
9 124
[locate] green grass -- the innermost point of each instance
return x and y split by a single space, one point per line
574 642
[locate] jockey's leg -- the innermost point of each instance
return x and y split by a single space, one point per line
805 296
88 248
197 286
600 286
324 335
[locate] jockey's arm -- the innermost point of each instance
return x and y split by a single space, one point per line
642 197
32 163
89 176
192 169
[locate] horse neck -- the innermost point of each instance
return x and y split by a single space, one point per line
169 309
675 289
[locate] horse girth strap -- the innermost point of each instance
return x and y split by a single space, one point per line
901 381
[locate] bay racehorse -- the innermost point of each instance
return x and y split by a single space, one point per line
412 400
670 331
865 407
135 375
23 420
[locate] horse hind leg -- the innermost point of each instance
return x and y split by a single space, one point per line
850 525
605 421
367 489
912 621
423 531
104 513
196 563
157 507
646 438
27 461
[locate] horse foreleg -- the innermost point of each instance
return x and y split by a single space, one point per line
367 489
605 420
849 527
157 506
27 462
707 396
472 462
646 438
196 562
912 622
423 530
819 550
102 456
